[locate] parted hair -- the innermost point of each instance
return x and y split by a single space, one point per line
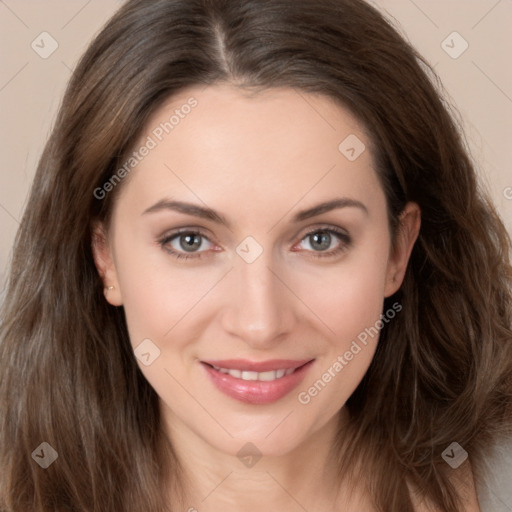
442 371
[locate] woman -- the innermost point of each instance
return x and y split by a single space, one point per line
255 270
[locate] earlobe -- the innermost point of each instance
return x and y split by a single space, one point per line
105 265
406 236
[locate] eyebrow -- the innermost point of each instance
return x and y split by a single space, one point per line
334 204
209 214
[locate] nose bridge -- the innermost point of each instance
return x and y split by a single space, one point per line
258 309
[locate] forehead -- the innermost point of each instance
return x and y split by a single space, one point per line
283 121
278 144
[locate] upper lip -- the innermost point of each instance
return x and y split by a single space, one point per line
257 366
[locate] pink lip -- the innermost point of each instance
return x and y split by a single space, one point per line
254 391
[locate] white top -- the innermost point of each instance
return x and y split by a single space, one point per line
495 494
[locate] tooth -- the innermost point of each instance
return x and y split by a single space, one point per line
249 375
271 375
263 376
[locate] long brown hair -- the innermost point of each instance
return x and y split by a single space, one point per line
443 368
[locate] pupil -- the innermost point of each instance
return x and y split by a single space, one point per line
320 241
190 242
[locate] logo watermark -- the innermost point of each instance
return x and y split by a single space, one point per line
454 455
45 455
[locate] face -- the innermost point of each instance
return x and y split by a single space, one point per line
251 251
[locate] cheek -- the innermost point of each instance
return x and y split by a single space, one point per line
349 301
349 296
158 295
163 307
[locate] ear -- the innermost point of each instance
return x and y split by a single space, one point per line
406 235
104 261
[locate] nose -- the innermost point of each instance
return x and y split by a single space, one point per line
258 309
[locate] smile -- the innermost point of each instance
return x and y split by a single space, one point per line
256 382
264 376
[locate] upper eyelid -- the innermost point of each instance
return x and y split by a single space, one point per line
183 231
203 232
338 231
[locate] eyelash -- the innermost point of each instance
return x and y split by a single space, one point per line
345 243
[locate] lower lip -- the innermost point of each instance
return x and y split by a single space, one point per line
256 391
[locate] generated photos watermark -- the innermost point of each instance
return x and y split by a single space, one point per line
152 141
343 360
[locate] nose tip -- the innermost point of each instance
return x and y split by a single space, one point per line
257 310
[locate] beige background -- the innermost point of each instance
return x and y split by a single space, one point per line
479 82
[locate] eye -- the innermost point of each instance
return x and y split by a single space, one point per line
324 242
186 244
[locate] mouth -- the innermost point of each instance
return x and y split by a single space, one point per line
257 382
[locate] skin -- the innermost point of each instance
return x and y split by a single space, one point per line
257 161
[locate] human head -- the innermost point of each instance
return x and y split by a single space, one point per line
144 57
258 167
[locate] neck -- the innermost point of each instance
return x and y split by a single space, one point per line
304 478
